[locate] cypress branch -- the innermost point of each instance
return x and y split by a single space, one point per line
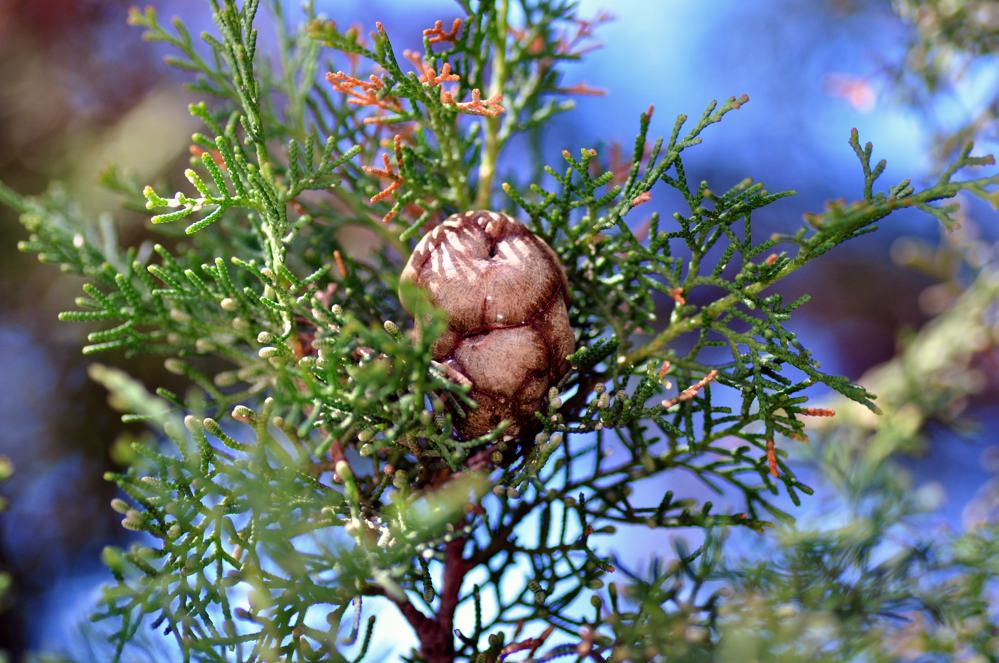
314 461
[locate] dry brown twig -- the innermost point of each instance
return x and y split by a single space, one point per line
437 34
690 391
395 178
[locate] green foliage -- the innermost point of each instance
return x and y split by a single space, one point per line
865 579
312 462
948 42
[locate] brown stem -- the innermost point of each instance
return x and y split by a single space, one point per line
436 634
455 568
420 622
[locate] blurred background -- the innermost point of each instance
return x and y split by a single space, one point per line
80 90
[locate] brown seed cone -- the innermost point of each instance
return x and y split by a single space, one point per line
505 295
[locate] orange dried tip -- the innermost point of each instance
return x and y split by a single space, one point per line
427 74
417 61
583 89
641 198
691 391
818 411
771 259
537 46
772 458
490 107
340 267
677 295
437 33
297 348
384 193
664 369
446 76
215 155
380 119
383 172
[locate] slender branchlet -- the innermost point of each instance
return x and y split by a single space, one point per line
314 463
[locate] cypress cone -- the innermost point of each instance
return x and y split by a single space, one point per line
506 296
